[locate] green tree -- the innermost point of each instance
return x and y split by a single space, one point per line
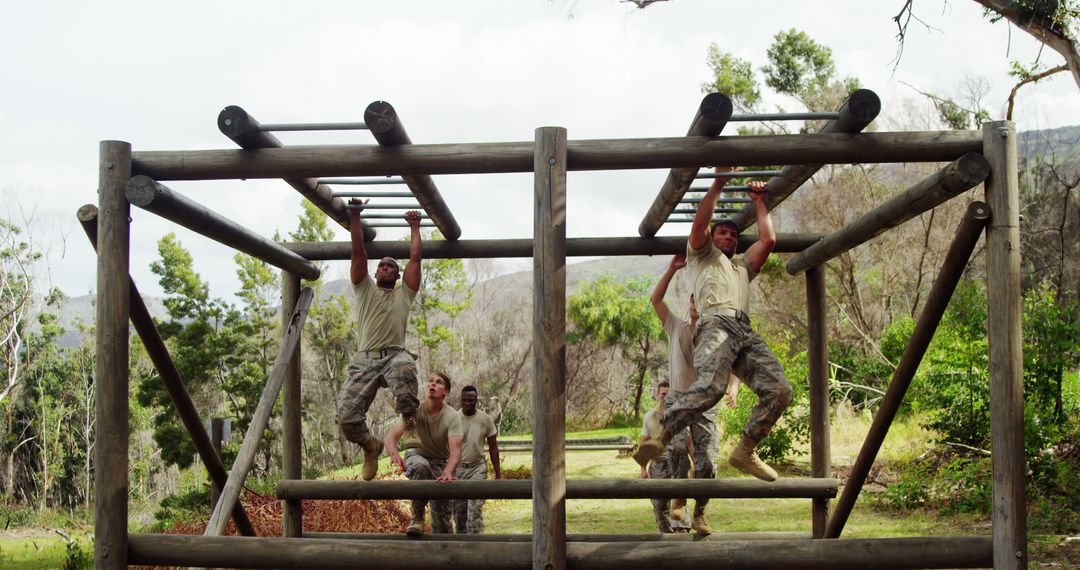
619 314
733 77
223 353
443 296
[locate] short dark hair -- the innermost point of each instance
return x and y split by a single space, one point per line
663 385
470 388
729 223
445 378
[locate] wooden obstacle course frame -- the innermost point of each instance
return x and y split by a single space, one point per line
550 156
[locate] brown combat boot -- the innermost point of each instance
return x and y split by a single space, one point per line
652 449
744 459
677 509
699 524
415 528
372 449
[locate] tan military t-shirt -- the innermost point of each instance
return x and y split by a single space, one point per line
381 314
680 353
719 282
434 431
477 428
650 426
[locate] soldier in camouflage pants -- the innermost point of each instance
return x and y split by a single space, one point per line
675 464
704 436
420 468
719 340
469 513
371 370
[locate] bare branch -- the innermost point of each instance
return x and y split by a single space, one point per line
1031 79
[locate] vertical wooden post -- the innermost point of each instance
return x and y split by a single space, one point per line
217 433
1006 350
292 439
549 350
111 371
818 359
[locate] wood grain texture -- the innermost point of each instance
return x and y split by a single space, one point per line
241 128
1005 336
959 176
549 353
596 154
229 551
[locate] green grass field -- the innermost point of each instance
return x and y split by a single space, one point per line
44 549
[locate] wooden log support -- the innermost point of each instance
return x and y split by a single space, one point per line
153 197
656 537
1005 330
170 376
740 488
956 178
952 269
386 127
599 154
292 443
575 247
709 120
861 107
235 123
290 341
549 353
111 368
245 552
817 355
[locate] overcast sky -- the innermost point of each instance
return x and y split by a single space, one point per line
157 74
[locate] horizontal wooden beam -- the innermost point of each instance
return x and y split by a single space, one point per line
288 553
151 196
575 489
655 537
388 130
961 175
241 128
861 107
598 154
575 247
712 115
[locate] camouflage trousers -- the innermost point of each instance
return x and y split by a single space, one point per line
420 468
469 513
395 370
668 466
719 344
704 434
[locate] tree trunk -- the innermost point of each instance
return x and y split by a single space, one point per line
1046 30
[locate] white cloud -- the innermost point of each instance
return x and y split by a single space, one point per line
156 75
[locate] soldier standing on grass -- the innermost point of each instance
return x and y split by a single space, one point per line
382 361
477 427
661 467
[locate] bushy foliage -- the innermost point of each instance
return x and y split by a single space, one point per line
952 388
